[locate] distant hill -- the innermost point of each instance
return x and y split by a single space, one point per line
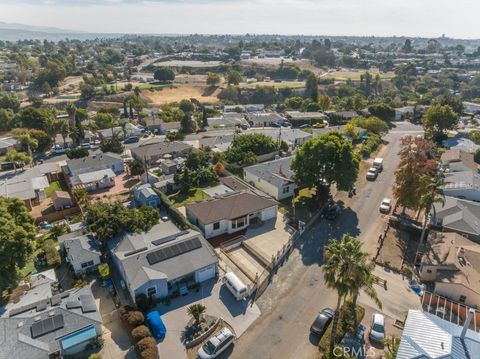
14 32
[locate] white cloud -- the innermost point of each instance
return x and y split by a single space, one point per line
320 17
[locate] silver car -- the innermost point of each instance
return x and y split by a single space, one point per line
216 344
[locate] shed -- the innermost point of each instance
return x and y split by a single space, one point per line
61 200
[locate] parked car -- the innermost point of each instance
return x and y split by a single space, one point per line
216 344
131 139
333 212
321 322
377 329
385 205
59 150
275 124
372 173
305 126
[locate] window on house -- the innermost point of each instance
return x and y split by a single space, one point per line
462 299
239 222
216 226
151 291
286 189
429 271
87 264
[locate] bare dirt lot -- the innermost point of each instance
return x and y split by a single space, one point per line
201 93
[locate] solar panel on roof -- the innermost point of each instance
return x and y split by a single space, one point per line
173 250
47 325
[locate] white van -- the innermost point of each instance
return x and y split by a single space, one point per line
378 163
235 285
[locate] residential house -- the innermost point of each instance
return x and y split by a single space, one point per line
151 153
217 143
230 213
49 326
169 167
7 144
463 185
61 200
345 115
458 161
458 215
81 251
30 190
404 113
228 120
292 136
158 262
264 119
452 263
298 117
460 143
93 172
426 335
119 132
275 178
145 196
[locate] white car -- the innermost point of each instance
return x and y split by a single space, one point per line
377 329
372 173
386 205
216 344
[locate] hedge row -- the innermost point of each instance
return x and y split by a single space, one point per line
146 345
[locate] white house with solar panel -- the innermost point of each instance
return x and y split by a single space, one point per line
163 260
44 324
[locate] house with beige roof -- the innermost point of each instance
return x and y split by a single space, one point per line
230 213
452 263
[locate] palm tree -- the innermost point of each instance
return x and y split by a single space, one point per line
81 197
391 344
196 311
433 193
338 271
64 129
28 142
364 280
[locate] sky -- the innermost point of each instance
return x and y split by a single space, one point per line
426 18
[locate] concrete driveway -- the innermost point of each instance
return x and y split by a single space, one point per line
116 343
218 301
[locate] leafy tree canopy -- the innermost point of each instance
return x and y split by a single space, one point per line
439 119
112 145
164 74
254 143
382 111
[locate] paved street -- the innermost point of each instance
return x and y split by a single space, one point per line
297 292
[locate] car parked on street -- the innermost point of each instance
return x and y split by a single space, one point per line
372 173
333 212
377 328
386 205
216 344
321 322
131 139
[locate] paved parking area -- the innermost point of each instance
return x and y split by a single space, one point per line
268 239
218 301
116 342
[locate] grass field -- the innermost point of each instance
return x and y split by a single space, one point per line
179 92
54 186
277 85
181 199
355 75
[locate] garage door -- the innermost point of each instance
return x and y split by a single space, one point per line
207 273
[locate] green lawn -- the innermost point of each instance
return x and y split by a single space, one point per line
30 266
181 199
54 186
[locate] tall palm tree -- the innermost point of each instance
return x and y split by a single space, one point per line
338 271
28 142
64 129
364 280
433 193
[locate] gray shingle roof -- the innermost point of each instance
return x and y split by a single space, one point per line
459 215
159 149
276 172
92 163
80 247
136 266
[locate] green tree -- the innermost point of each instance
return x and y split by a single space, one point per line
186 106
95 356
174 136
17 235
391 345
371 124
28 143
9 101
78 152
324 103
112 145
196 311
38 118
338 272
244 146
204 118
8 120
19 159
325 160
81 197
311 87
438 120
234 77
187 124
104 120
52 74
382 111
164 74
64 130
136 167
453 101
213 79
51 253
